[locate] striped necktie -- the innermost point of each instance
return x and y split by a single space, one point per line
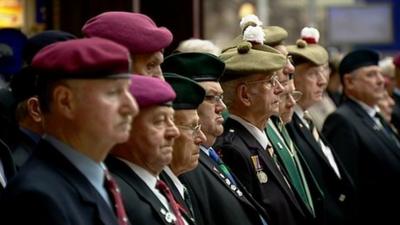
113 190
214 156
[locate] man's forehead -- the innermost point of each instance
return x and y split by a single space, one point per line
211 86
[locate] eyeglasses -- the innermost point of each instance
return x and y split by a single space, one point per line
296 95
194 130
289 59
271 83
214 98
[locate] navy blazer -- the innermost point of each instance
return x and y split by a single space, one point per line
50 190
141 205
218 201
371 157
238 149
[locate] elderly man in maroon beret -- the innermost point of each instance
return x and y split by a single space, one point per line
86 109
138 33
138 163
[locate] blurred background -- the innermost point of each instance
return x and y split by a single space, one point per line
343 24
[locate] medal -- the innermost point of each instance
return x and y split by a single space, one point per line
262 177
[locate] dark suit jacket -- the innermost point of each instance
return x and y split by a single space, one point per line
217 202
338 193
396 111
372 159
237 147
22 149
7 161
49 190
141 205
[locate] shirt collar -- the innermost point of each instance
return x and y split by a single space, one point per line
149 179
174 178
258 134
92 170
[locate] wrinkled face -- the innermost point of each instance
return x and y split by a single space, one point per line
287 103
102 109
311 80
288 69
210 111
366 84
148 64
264 92
386 105
153 134
186 146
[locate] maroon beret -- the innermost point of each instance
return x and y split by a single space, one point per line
151 91
135 31
83 58
396 60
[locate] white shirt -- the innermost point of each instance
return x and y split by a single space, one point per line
326 150
178 184
258 134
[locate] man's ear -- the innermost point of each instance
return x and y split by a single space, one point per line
34 109
243 94
348 81
64 101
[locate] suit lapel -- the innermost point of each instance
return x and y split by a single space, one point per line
256 149
136 183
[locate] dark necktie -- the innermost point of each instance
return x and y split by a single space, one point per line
386 128
307 117
115 195
176 208
214 156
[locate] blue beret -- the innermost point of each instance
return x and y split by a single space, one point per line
41 40
15 40
151 91
197 66
189 95
357 59
83 58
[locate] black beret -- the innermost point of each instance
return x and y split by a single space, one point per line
23 84
41 40
357 59
196 66
189 95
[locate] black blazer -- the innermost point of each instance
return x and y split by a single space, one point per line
237 147
217 201
49 190
338 193
141 205
396 112
371 157
22 149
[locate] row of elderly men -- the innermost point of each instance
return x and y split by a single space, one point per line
272 175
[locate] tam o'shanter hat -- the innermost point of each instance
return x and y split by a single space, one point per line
135 31
273 35
251 56
196 66
307 48
189 94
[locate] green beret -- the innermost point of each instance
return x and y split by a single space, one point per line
189 95
248 59
196 66
274 35
304 52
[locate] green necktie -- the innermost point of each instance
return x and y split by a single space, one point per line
289 159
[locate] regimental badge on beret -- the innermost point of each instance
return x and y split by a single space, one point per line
307 48
196 66
189 94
